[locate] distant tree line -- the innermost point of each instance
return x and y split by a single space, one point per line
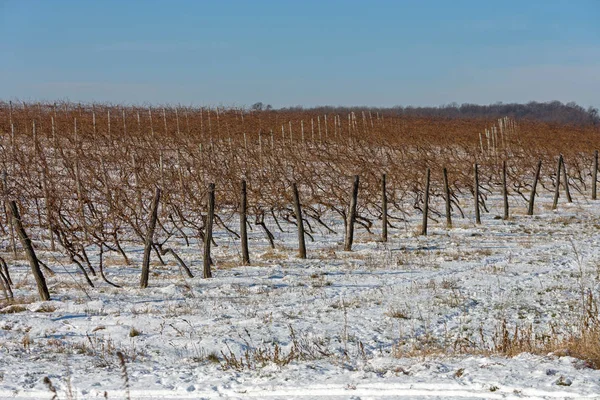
552 111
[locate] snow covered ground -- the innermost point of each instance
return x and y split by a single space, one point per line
355 320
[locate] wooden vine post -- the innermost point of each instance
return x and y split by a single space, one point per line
13 241
351 216
476 195
300 223
243 225
448 199
149 239
33 261
384 210
595 175
535 181
426 204
557 188
566 181
5 281
504 190
207 273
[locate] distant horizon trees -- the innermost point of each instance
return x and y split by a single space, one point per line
552 111
259 106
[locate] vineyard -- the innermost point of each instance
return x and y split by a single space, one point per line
94 186
86 175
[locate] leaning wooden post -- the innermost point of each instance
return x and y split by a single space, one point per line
243 226
298 212
535 181
476 194
557 189
149 240
426 205
33 261
384 210
351 216
595 175
448 199
5 282
208 231
504 190
566 181
13 241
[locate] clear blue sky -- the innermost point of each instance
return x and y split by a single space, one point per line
303 52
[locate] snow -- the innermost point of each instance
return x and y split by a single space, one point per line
354 313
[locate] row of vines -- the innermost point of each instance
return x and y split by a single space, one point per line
84 176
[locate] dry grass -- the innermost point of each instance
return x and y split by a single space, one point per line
13 309
228 263
133 332
398 313
252 358
274 255
115 262
102 349
581 340
327 254
19 304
